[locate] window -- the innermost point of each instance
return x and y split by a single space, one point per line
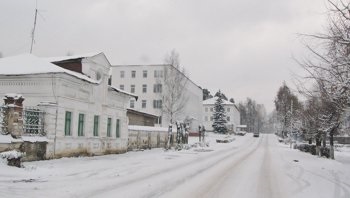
144 102
157 104
144 88
122 74
144 73
68 123
159 120
206 118
117 128
81 124
133 74
228 118
211 118
157 88
121 87
158 73
132 88
96 119
132 103
109 127
228 109
211 109
206 109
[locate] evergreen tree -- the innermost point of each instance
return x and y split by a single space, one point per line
219 115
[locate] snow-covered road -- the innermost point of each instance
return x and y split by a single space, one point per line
246 167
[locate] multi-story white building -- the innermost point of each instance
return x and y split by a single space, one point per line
147 82
232 113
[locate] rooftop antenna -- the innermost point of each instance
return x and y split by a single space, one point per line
33 32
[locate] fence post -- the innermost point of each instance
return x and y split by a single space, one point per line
13 115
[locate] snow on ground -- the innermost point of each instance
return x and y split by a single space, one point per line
70 177
246 167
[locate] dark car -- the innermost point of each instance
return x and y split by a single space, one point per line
255 134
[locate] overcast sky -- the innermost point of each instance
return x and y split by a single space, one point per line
243 47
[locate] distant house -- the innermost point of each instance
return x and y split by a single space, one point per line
147 82
83 114
232 113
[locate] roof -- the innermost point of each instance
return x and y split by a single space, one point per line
122 91
25 64
211 101
141 113
30 64
64 58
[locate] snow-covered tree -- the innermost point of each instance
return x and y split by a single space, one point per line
219 115
329 67
287 107
206 94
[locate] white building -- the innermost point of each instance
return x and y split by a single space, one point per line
146 81
83 114
232 113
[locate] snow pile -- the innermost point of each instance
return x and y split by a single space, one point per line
13 95
11 154
35 139
8 139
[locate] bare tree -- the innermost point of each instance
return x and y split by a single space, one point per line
330 68
174 83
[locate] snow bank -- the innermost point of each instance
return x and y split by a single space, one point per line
11 154
8 139
35 139
149 128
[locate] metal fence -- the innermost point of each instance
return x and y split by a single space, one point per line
32 117
33 121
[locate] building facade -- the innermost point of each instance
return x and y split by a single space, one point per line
83 114
232 113
147 82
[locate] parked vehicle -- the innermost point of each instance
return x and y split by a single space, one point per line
256 134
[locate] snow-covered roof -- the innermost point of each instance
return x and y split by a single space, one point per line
30 64
62 58
211 101
122 91
142 112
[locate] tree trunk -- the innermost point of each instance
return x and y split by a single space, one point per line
324 139
318 144
331 143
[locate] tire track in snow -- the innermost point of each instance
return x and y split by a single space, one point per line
211 188
206 160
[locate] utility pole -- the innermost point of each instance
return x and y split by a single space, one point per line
33 32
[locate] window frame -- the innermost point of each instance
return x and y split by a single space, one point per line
68 123
81 123
117 128
109 126
96 125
